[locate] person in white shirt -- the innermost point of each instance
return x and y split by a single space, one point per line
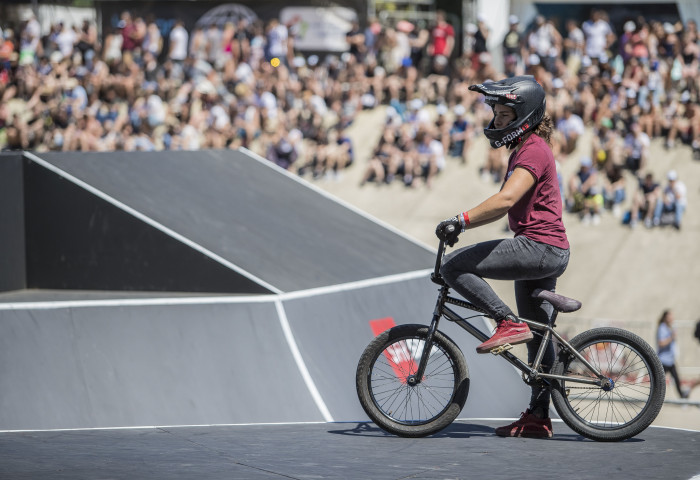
66 40
572 127
599 34
672 199
178 42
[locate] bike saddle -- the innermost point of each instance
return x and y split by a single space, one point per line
560 302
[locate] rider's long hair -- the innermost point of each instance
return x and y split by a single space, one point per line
545 128
664 316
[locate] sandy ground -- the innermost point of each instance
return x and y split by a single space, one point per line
623 277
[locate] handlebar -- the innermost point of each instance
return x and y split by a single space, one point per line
436 277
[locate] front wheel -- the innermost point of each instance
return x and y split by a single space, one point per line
632 391
386 389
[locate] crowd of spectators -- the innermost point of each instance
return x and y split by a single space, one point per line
137 88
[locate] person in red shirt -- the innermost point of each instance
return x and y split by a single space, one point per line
538 253
442 37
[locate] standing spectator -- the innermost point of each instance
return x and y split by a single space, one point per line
574 45
666 348
87 41
129 35
177 52
355 38
512 45
442 38
672 200
112 53
66 40
153 41
372 33
545 41
277 36
599 35
214 46
480 55
30 40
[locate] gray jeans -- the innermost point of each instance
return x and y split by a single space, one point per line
531 264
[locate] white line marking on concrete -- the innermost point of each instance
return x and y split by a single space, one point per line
217 300
289 336
150 221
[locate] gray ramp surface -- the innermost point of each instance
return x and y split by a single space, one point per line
252 214
148 365
332 330
464 450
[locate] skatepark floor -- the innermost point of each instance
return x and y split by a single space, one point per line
466 449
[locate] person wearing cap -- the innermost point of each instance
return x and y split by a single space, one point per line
539 252
673 199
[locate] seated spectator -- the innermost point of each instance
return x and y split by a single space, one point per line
614 188
460 134
431 156
636 149
496 165
672 201
644 201
572 127
605 145
584 196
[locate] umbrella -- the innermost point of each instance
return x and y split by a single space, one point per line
221 15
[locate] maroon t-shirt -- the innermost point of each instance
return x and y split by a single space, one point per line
537 215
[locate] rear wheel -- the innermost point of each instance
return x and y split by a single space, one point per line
632 393
384 382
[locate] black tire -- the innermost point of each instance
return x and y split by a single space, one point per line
624 408
411 411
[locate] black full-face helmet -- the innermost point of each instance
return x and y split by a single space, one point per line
524 95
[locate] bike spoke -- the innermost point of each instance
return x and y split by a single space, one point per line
412 404
630 392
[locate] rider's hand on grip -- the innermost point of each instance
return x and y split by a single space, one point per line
448 230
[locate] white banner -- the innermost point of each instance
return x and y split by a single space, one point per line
319 28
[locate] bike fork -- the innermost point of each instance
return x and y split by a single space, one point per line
437 313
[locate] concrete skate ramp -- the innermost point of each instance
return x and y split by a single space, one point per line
240 210
320 270
218 360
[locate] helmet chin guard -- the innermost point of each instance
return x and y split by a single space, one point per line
525 96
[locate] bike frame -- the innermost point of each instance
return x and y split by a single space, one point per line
530 373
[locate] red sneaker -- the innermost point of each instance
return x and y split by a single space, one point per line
528 426
507 331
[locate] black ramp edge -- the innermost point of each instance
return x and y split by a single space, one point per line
270 225
148 365
76 240
12 253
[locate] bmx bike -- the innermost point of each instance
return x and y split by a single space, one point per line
607 384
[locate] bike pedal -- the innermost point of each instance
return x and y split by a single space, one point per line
502 349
